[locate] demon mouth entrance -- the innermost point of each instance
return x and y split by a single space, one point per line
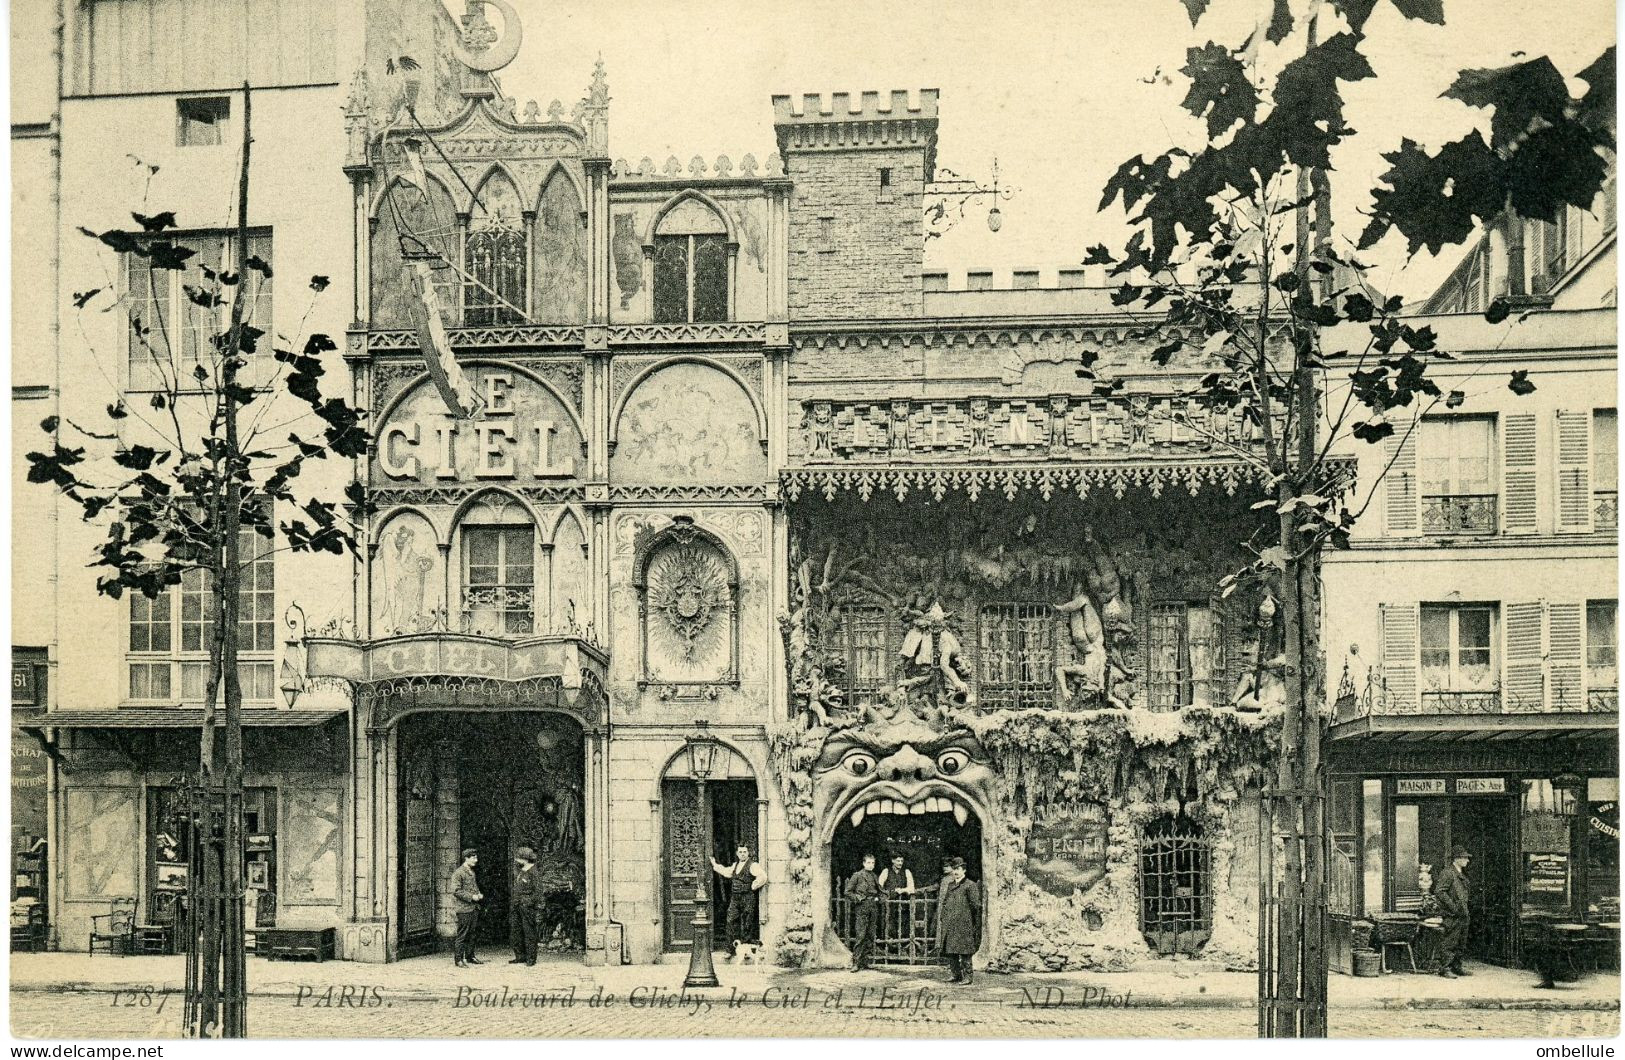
925 833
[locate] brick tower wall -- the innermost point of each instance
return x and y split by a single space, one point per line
856 245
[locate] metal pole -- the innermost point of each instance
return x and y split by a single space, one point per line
701 972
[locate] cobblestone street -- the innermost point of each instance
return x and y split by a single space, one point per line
68 996
80 1016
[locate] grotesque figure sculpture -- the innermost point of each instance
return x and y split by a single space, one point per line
933 658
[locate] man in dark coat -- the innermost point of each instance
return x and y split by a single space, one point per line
524 903
1451 891
959 921
863 891
465 899
745 877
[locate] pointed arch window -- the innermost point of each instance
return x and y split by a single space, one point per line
693 265
494 256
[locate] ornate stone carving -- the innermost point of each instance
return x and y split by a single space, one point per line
521 335
687 587
1011 479
391 496
650 493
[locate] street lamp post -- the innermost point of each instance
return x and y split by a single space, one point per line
702 751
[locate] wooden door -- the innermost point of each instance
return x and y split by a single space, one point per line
681 846
417 847
733 821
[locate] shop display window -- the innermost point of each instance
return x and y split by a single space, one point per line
1547 855
1601 844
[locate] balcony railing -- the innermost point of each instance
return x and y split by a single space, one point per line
1605 509
1605 700
1477 702
1467 513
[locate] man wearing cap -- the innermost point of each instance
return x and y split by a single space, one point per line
465 899
524 901
1451 891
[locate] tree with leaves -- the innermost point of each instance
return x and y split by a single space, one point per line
179 480
1233 264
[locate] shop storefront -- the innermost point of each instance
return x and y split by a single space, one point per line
1540 818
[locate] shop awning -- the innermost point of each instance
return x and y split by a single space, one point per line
1480 728
175 718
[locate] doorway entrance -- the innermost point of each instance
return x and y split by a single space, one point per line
733 824
491 783
1428 830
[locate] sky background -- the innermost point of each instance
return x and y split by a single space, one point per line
1060 91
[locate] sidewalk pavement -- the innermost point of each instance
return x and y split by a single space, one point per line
1150 985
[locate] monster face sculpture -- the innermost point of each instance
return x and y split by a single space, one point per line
907 769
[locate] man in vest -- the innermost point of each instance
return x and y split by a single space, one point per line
895 882
863 891
465 899
745 877
1451 891
523 905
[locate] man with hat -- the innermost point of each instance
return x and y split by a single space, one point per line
1451 891
465 899
959 921
525 900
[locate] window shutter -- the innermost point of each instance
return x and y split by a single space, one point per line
1520 479
1400 650
1403 516
1567 639
1574 470
1524 687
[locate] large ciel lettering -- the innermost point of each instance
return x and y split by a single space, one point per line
524 433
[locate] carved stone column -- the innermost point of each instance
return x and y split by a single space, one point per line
604 942
366 936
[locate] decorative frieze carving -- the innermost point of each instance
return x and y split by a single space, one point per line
640 493
1059 426
1009 480
386 497
529 335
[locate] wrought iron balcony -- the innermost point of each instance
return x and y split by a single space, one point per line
1446 702
1605 700
1466 513
1605 509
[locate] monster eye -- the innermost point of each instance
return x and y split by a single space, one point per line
952 761
859 763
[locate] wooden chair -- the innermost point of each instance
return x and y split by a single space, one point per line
115 929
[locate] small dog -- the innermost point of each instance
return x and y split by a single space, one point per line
747 953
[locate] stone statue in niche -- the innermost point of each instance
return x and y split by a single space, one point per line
1139 421
1057 422
627 249
980 440
820 431
933 659
897 428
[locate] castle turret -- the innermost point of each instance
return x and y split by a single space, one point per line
856 221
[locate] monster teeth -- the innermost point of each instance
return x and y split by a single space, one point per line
858 815
961 814
917 809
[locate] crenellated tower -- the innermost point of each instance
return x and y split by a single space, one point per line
856 222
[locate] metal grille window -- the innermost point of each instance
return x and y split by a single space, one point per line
499 584
1458 658
1457 472
864 643
1017 656
1176 901
170 636
170 333
494 253
1187 656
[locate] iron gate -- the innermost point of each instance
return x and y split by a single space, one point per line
906 932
